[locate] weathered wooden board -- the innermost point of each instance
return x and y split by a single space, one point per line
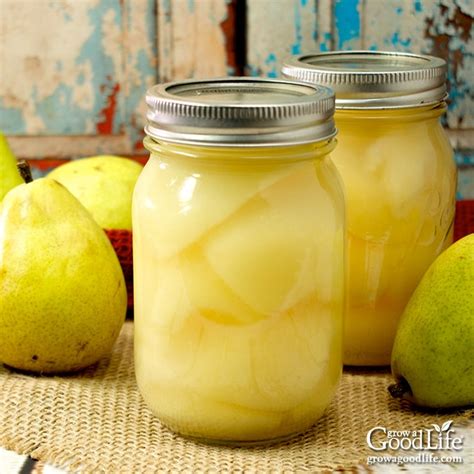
279 28
73 73
196 39
75 69
59 69
444 28
74 83
139 65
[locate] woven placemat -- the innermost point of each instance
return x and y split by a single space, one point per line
96 421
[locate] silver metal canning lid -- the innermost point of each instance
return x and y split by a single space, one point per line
240 112
373 79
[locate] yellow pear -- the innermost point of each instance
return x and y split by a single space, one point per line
433 354
104 185
62 291
9 175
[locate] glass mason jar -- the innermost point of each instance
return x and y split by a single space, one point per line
239 238
400 180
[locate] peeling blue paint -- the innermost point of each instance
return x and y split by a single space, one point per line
304 3
397 41
316 33
253 71
191 6
296 46
143 62
166 7
150 18
59 111
271 58
146 67
465 188
399 10
12 120
326 43
418 6
73 117
271 62
464 157
102 66
458 88
347 21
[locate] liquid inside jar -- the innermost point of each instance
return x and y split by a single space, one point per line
400 181
239 283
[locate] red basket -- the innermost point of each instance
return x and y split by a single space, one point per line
464 222
122 242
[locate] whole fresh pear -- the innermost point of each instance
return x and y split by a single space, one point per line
433 353
104 185
62 291
9 175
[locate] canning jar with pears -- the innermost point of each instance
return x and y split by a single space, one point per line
400 179
239 238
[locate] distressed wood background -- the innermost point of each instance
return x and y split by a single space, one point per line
73 73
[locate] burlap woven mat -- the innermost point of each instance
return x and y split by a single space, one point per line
96 421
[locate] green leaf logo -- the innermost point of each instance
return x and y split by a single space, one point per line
446 425
437 427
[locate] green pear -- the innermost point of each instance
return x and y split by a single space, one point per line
104 185
433 353
9 175
62 292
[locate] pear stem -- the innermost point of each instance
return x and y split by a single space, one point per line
25 171
400 389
